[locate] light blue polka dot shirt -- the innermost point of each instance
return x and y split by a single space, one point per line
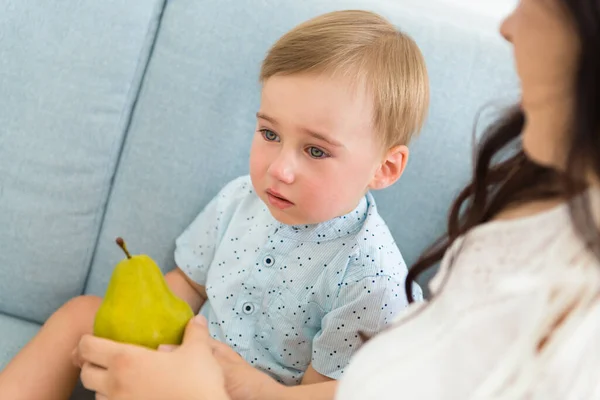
287 296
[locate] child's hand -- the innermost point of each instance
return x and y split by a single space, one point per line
120 371
243 382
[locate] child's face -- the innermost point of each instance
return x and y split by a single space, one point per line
315 152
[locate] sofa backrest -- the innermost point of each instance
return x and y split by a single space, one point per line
194 117
69 75
123 118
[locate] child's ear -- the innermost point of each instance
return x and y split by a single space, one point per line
391 168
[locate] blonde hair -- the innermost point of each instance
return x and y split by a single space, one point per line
368 50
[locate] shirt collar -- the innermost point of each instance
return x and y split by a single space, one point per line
334 228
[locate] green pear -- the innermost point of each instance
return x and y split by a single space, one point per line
139 308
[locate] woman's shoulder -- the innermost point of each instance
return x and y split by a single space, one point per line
529 240
530 251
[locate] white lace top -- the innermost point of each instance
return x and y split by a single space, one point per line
517 317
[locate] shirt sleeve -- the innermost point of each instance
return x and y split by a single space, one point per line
364 306
195 247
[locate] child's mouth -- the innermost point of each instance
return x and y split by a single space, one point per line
277 200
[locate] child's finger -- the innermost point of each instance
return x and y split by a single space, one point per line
223 351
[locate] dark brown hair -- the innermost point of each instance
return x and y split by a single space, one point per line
503 176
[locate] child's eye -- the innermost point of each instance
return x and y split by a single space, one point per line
315 152
269 135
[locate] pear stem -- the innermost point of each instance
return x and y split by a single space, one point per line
123 246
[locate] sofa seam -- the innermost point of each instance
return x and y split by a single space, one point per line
21 318
128 114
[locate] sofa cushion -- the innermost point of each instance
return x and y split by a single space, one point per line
69 74
15 333
195 117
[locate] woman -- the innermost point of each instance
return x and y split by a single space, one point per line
516 306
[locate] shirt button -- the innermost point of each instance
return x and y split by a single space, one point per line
268 261
248 308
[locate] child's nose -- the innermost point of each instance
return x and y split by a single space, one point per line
283 169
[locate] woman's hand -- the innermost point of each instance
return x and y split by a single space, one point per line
118 371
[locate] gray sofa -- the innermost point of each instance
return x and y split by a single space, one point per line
124 117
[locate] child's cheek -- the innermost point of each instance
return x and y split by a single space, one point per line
258 158
321 199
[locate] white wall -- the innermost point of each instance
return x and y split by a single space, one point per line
485 15
496 9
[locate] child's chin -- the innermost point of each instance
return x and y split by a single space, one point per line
284 218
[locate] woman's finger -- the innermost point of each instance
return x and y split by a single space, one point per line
167 347
196 332
94 378
99 351
75 359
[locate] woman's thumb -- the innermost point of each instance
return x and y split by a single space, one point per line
196 330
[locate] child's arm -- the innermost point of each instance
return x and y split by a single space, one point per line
205 232
318 391
186 289
244 382
311 376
